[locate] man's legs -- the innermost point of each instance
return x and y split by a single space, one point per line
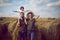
28 35
19 36
24 36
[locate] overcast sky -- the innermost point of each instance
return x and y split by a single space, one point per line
44 8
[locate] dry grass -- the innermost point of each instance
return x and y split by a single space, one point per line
45 26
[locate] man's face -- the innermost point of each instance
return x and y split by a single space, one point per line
21 14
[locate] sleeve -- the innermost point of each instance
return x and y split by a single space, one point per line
17 11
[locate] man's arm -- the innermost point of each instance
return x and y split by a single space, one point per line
17 25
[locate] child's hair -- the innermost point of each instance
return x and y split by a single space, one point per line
21 7
31 14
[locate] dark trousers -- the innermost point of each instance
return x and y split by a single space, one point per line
22 35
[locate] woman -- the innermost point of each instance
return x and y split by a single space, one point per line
30 26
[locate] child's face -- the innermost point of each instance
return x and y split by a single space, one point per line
21 15
22 9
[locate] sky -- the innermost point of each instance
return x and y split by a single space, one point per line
44 8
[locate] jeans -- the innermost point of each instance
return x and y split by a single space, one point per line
22 35
30 35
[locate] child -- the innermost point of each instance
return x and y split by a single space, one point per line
22 10
30 26
21 26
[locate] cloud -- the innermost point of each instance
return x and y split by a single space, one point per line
54 3
33 5
44 8
5 4
8 14
9 2
2 3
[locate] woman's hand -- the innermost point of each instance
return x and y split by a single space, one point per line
36 16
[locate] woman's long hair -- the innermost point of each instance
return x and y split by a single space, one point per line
31 14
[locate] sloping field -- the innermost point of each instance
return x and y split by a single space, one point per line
46 28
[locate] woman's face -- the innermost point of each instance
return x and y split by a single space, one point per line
30 16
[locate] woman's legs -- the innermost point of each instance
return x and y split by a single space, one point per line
32 35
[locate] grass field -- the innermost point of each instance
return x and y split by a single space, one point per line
46 28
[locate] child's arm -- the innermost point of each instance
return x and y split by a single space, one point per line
17 11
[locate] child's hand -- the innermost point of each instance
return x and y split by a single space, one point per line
14 11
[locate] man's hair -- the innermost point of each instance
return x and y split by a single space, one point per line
22 13
21 7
